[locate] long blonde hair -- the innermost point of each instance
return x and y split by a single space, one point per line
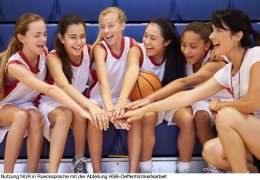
21 27
121 19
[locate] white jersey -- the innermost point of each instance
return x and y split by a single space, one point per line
80 72
79 81
148 64
223 95
17 92
116 68
239 89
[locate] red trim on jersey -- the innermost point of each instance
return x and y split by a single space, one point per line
12 62
132 42
81 59
155 63
121 50
102 45
32 69
54 52
8 87
141 60
229 90
89 48
45 52
95 78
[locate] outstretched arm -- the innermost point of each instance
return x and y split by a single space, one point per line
55 67
181 84
99 56
180 99
21 73
251 102
130 78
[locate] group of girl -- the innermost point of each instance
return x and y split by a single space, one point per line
30 106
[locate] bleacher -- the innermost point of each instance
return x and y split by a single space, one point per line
138 13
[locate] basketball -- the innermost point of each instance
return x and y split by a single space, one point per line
146 84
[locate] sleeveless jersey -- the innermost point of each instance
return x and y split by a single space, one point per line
116 68
17 92
148 64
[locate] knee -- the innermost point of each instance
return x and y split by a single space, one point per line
64 119
35 123
201 117
225 118
21 119
209 150
186 122
149 120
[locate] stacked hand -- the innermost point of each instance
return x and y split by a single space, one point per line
99 117
137 104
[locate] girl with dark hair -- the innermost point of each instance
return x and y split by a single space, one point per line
22 73
201 65
160 53
237 121
69 65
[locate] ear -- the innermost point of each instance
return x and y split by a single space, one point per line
166 43
61 38
123 26
20 38
239 36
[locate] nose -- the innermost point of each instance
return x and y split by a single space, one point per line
212 35
146 40
44 38
78 41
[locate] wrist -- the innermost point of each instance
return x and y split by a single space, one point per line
150 98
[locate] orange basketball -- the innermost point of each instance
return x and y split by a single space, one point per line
145 85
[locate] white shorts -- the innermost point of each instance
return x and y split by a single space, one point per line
25 105
45 107
202 105
167 116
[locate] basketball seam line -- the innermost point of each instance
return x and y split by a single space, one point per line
147 81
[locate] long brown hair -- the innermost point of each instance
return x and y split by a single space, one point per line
65 22
21 27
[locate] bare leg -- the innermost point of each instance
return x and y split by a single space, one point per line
35 139
240 132
202 122
18 119
60 119
95 141
79 127
148 139
134 145
186 139
213 153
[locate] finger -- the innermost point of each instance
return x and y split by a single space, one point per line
104 122
120 124
95 121
130 104
100 122
116 112
121 112
125 125
131 119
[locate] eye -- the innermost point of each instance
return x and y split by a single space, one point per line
111 26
